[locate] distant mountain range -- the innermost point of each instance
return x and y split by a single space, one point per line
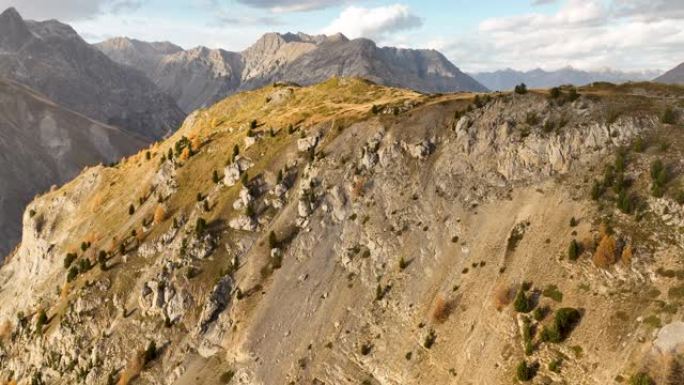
43 144
507 79
200 76
51 58
673 76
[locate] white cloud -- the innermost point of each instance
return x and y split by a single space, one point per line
68 10
586 34
290 5
374 23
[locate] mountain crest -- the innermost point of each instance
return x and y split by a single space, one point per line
13 30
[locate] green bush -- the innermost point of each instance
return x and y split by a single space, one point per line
521 89
430 339
551 291
555 365
564 322
669 116
641 379
273 240
227 376
522 303
524 372
72 274
200 226
69 259
574 250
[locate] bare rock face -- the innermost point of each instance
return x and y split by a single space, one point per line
41 55
216 303
200 76
233 171
673 76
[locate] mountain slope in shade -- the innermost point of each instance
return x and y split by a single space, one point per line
201 76
42 144
51 58
673 76
507 79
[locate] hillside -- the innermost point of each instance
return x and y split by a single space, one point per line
673 76
201 76
51 58
506 80
350 233
44 144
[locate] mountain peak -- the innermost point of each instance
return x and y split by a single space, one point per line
10 13
13 30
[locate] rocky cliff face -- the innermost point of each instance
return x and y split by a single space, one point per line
51 58
43 144
352 233
199 77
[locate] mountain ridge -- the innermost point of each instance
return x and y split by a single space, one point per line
508 78
52 58
297 57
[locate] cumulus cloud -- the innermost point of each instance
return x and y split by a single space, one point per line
290 5
587 34
69 10
374 23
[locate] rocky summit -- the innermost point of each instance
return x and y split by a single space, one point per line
351 233
201 76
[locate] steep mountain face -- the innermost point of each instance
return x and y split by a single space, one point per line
43 144
51 58
200 76
366 235
507 79
673 76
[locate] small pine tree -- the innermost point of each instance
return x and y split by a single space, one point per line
72 274
522 303
200 226
215 177
199 197
273 240
573 250
148 155
290 129
206 206
524 372
271 132
236 151
573 222
279 177
253 124
41 321
150 353
403 264
122 248
69 259
102 260
170 154
131 209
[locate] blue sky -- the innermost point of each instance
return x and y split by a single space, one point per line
480 35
